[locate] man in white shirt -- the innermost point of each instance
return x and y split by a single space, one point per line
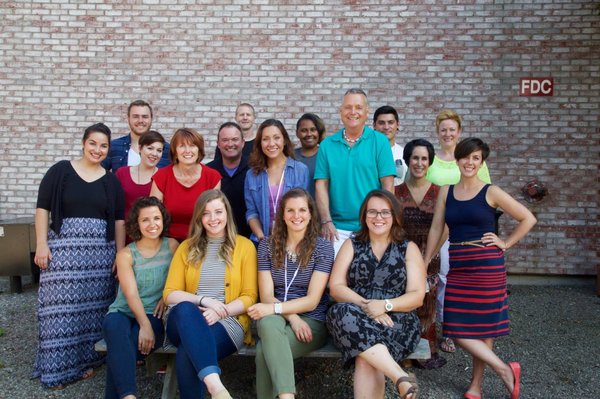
386 121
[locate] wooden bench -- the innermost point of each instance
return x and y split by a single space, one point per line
166 355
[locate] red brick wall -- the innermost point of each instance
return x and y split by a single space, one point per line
65 65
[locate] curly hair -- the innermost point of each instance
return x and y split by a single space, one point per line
397 232
132 226
198 239
258 159
279 235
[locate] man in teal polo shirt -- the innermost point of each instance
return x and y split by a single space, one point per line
350 163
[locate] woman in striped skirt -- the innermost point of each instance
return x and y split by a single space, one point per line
475 303
210 285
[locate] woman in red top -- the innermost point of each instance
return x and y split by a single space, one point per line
137 180
179 185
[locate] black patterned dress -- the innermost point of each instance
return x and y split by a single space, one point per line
354 332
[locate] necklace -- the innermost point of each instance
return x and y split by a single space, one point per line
291 255
349 140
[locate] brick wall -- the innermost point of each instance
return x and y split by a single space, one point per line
66 64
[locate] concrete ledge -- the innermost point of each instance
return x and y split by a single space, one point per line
544 280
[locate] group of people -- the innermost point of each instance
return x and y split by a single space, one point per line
398 237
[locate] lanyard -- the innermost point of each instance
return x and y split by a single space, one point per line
279 188
287 286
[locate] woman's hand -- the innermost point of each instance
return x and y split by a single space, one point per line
373 307
384 319
159 309
301 329
145 339
490 239
210 316
260 310
217 306
43 256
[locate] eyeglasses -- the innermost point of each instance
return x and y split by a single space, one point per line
384 214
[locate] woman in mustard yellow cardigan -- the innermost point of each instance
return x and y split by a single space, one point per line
211 283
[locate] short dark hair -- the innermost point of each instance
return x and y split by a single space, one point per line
139 103
468 146
230 124
96 128
410 146
316 120
131 224
151 137
384 110
397 233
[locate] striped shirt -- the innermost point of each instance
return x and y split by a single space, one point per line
212 285
320 261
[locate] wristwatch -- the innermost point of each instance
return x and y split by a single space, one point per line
388 305
277 308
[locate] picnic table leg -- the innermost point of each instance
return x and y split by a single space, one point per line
170 384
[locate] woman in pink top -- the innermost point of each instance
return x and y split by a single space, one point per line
179 185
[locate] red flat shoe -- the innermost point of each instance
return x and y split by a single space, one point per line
468 395
516 369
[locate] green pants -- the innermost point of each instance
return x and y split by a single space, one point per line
276 351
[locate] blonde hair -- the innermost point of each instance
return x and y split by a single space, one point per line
198 239
447 114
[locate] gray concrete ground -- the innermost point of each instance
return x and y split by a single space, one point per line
555 335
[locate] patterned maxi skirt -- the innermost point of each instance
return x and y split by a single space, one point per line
74 294
476 302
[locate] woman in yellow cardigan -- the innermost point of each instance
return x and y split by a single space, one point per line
211 283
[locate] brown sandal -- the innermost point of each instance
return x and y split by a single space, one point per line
413 390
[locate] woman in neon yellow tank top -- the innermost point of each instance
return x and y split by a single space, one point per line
444 171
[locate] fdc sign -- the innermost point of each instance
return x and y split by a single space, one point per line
536 87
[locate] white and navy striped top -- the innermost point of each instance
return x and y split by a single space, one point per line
212 284
321 261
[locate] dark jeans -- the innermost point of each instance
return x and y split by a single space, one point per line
199 347
121 335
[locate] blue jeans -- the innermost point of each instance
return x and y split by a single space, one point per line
199 347
121 335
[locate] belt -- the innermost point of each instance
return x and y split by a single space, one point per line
475 243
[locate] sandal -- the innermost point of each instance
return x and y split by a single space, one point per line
468 395
447 345
434 362
516 369
413 391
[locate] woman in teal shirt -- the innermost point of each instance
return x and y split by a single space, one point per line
133 326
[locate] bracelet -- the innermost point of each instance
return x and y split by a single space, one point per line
200 301
326 221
